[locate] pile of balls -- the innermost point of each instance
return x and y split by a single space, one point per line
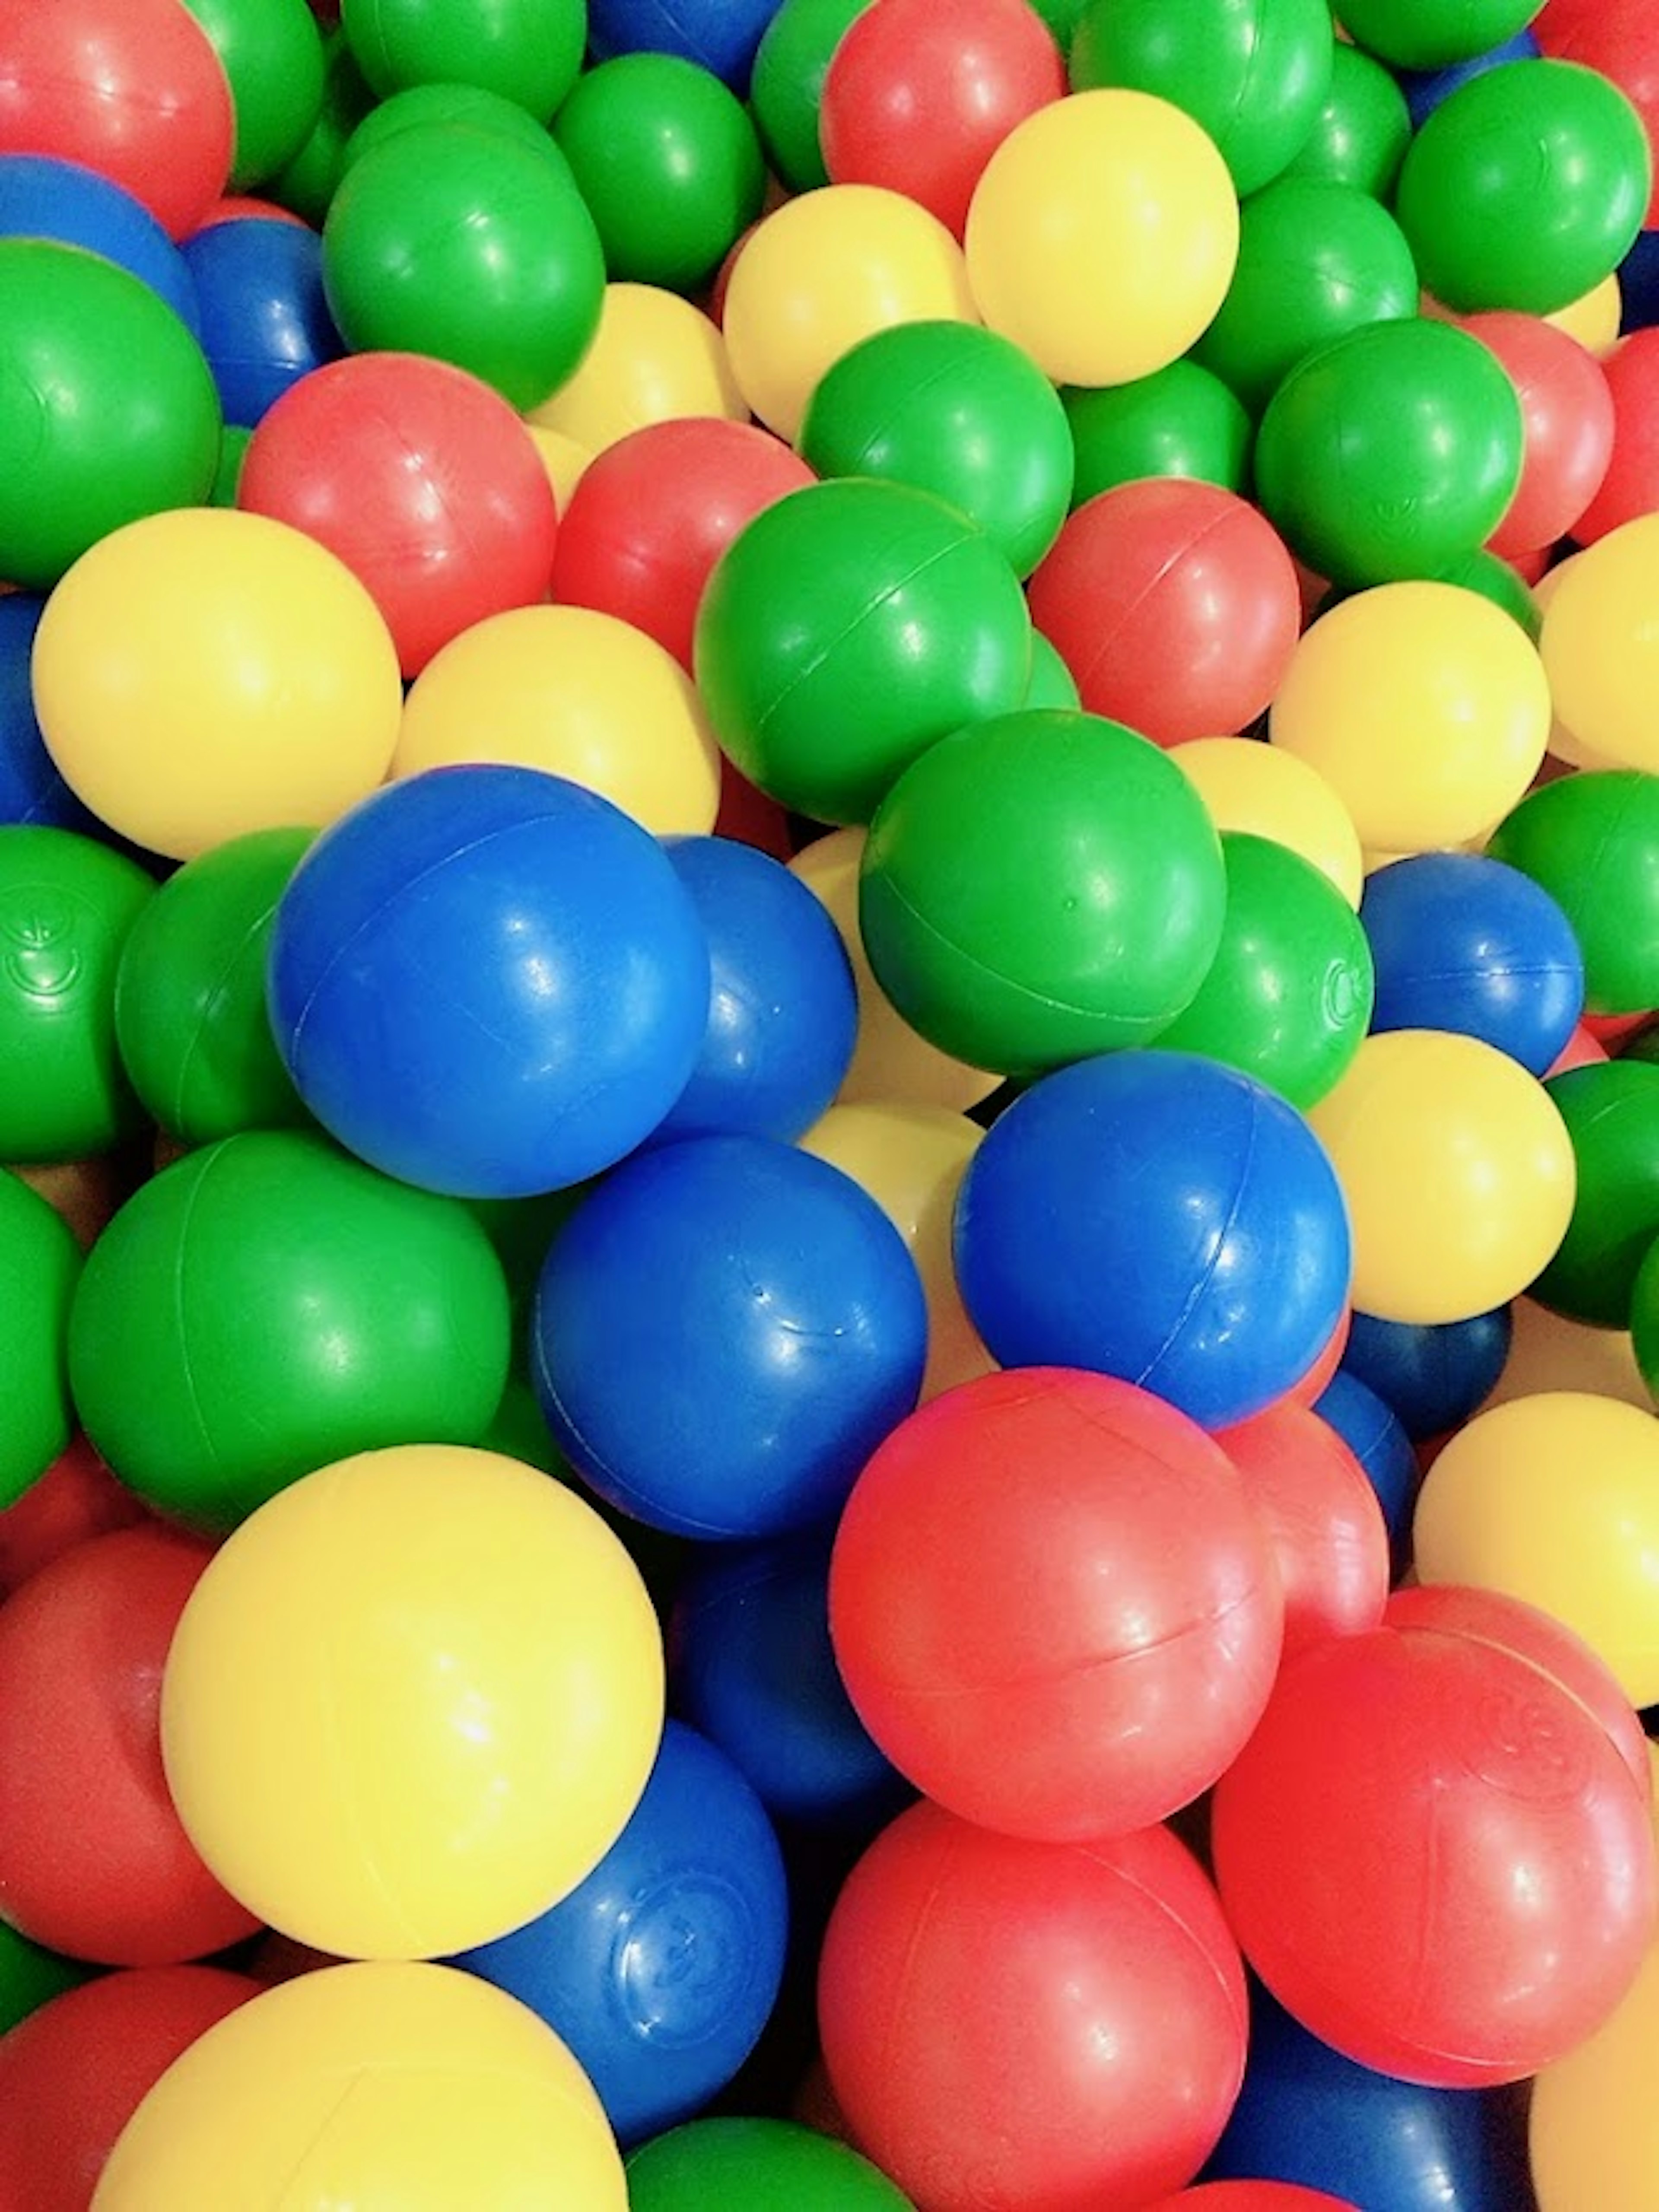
829 964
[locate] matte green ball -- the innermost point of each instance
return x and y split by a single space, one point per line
846 629
190 993
1362 128
1644 1319
31 1976
40 1266
424 104
1253 73
1611 1114
1390 453
268 1305
1592 841
1431 34
1315 261
528 50
67 903
109 410
956 410
1525 188
273 52
1289 994
457 242
308 182
715 2165
786 88
1052 683
670 164
1040 888
1181 421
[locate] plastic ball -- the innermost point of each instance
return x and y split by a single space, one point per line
31 1976
1591 2133
132 89
1595 318
1619 42
1433 35
747 2161
76 1499
1182 1184
1568 410
1375 1435
1102 236
1180 421
414 2083
32 794
697 1414
1628 488
416 106
1006 899
75 206
492 1660
695 1879
1160 1599
1453 1787
1433 1374
271 50
456 241
655 356
919 101
1426 90
266 323
1254 78
1491 227
1253 2196
1592 841
522 955
1597 650
1362 130
719 35
529 52
785 90
1102 1978
40 1266
1423 707
848 629
1612 1115
421 479
1264 791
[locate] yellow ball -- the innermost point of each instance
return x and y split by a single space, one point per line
1547 1352
1269 793
1458 1172
580 695
890 1062
563 460
655 358
1425 706
1600 648
362 2086
1594 2121
1555 1499
1102 236
412 1702
911 1160
1595 319
820 273
205 673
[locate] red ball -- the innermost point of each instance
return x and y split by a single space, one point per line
93 1860
73 2074
1322 1518
1254 2197
77 1497
133 88
1052 2026
917 97
1436 1857
748 816
1567 412
1630 486
1581 1049
1620 38
652 515
423 481
1174 604
1053 1605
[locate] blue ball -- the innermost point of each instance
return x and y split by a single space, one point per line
1158 1217
1639 284
1425 89
662 1968
752 1666
1307 2115
265 322
1375 1436
1434 1375
44 198
31 789
783 1007
724 1332
720 35
487 981
1470 945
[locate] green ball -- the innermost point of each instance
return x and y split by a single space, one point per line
1040 888
846 629
1181 421
1611 1114
424 104
1052 683
1495 580
309 181
1254 73
716 2166
1390 453
1525 187
528 50
786 88
268 1305
273 52
457 242
1315 261
1433 35
956 410
31 1976
67 903
40 1266
190 993
1289 994
670 164
1592 841
1645 1318
1061 16
109 410
1362 128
